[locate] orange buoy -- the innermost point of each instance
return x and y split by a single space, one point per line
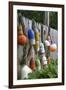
53 47
32 64
22 39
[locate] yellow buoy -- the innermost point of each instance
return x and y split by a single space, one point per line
36 45
37 36
20 29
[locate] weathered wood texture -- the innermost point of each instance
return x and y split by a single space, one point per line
53 33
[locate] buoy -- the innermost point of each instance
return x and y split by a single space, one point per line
32 64
32 41
20 29
22 39
31 36
37 35
53 47
44 60
25 71
37 45
47 43
42 50
38 64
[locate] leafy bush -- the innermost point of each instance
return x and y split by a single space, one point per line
50 71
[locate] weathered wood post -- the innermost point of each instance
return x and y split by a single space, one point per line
42 34
46 18
48 36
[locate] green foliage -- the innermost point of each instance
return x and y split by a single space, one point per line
48 72
36 15
39 16
54 20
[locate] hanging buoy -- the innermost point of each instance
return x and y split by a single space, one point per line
42 50
20 29
49 38
44 60
47 43
37 35
31 36
53 47
32 64
38 64
32 41
25 71
37 45
22 39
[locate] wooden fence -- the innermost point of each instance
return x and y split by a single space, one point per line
53 33
44 31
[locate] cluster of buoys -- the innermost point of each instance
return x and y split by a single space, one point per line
33 38
52 47
42 54
37 39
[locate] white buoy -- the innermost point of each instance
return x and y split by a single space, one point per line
47 43
42 50
44 60
25 71
32 41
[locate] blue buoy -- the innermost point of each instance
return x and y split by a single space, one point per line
31 34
